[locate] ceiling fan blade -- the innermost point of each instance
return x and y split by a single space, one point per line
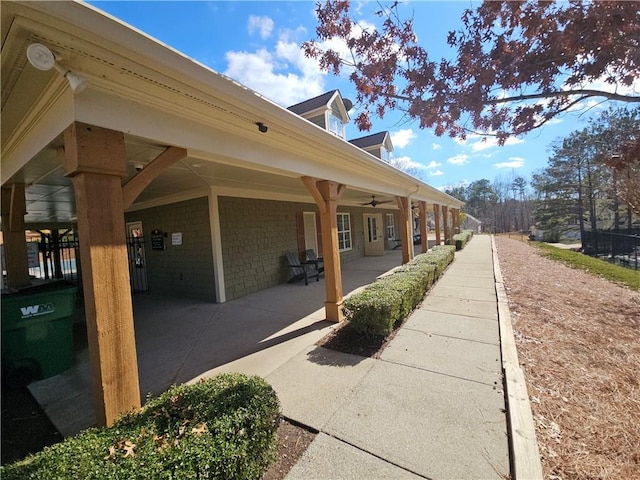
375 202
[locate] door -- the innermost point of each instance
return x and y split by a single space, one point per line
310 232
373 241
137 260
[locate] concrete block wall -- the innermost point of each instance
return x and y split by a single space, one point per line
179 270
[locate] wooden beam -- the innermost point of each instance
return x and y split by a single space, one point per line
436 218
455 214
445 225
406 228
424 230
105 268
134 187
15 242
330 193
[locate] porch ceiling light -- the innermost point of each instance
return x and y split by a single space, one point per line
43 59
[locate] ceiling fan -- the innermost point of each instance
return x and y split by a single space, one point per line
375 202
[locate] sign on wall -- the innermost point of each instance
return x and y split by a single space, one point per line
157 240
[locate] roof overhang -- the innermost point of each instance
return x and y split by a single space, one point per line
158 97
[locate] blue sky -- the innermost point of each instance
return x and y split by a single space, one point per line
258 44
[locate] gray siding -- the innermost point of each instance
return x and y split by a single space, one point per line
180 270
256 235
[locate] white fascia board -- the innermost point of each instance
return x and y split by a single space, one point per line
104 110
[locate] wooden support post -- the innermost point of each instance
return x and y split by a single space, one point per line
436 218
424 230
15 242
455 216
406 228
326 195
95 160
445 225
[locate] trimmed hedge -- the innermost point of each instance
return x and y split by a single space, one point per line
386 302
224 427
461 239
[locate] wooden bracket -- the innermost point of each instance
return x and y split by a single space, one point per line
312 185
149 173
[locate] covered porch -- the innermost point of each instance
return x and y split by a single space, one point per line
117 124
179 340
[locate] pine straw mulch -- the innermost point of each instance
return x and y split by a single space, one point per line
578 341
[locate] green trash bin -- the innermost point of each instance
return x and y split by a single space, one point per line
37 332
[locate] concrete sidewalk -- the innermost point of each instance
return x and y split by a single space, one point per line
431 407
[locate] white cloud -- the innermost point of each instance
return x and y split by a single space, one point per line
406 164
263 25
514 162
436 146
284 76
433 164
436 173
402 138
460 159
490 142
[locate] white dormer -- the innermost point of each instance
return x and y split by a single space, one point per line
378 144
329 111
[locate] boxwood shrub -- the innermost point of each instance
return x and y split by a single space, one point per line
461 239
382 305
223 427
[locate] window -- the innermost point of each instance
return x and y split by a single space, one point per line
391 226
335 125
344 232
384 154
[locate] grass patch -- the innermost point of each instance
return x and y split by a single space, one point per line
595 266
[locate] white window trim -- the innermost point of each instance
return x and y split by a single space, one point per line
347 215
329 115
384 154
391 226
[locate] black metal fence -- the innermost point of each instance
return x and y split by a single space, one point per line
55 257
619 248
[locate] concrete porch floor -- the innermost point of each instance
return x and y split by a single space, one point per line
178 340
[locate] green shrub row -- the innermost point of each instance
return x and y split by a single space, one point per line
224 427
386 302
462 238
